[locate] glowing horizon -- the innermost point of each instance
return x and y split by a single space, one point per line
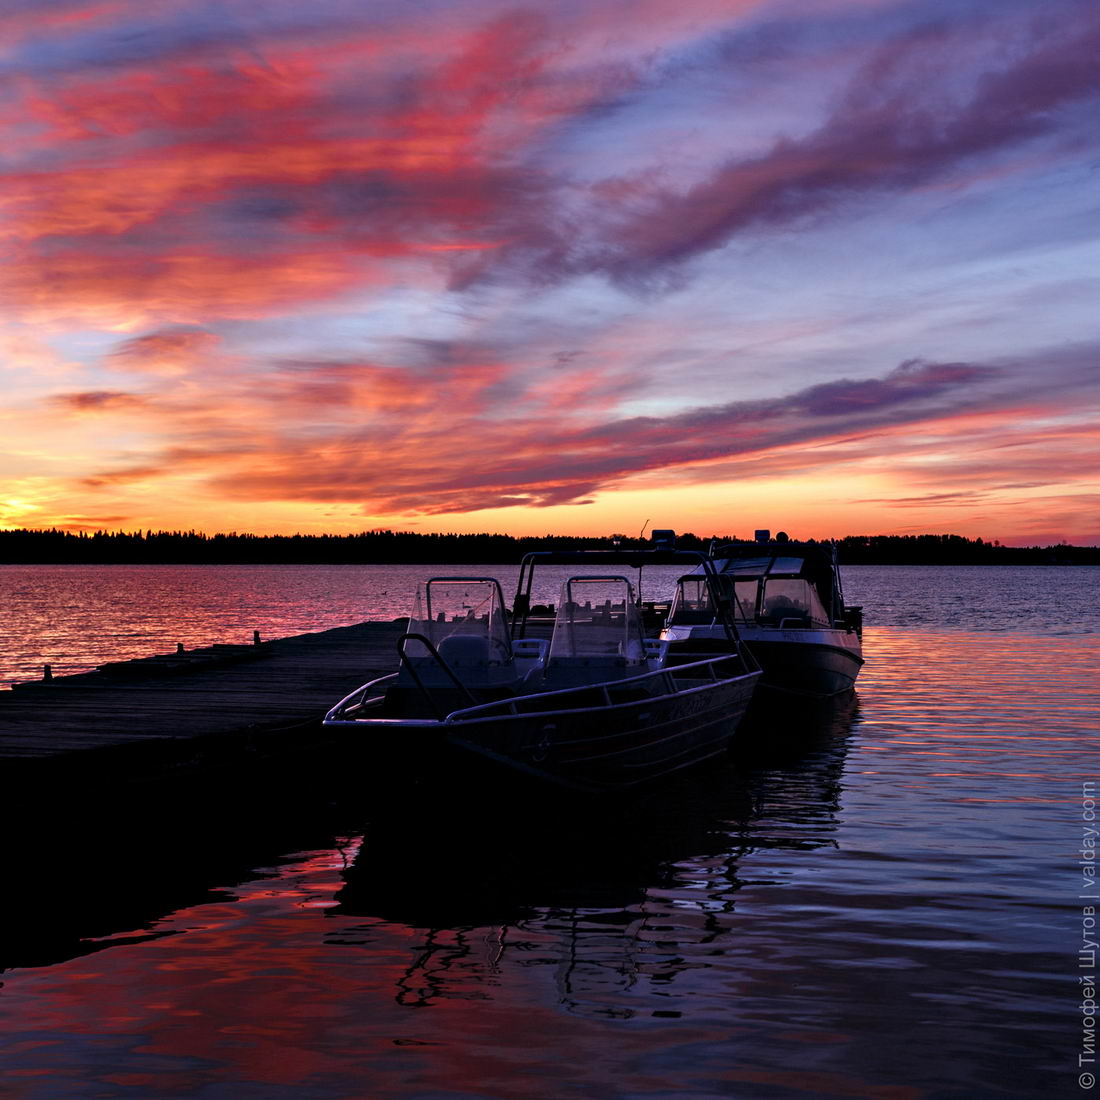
828 267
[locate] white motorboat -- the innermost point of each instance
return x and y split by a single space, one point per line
788 604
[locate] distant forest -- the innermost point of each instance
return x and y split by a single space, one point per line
191 547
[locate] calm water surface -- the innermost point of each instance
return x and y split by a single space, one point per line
879 899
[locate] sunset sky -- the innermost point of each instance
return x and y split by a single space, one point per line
831 266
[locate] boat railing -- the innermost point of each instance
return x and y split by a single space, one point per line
371 692
605 694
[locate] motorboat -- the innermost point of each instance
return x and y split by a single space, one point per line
788 604
593 707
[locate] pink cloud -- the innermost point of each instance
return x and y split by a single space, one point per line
235 187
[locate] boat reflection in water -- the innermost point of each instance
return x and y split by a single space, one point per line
623 904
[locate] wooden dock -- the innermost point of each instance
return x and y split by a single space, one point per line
137 788
174 708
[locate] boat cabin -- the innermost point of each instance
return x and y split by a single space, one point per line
781 589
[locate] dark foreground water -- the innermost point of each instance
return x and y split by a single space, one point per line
884 898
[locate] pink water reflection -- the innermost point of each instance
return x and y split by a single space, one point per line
769 930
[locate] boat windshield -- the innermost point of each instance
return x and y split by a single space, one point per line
693 604
791 601
468 609
597 617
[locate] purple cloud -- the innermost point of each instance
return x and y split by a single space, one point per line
895 129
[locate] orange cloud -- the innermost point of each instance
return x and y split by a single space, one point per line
96 401
167 351
357 388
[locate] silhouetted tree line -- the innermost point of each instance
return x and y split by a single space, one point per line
192 547
56 546
956 550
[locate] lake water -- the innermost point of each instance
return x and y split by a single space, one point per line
883 898
74 617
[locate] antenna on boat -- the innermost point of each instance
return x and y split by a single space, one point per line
641 535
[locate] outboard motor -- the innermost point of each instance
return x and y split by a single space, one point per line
853 619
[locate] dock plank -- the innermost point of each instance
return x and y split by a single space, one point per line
280 683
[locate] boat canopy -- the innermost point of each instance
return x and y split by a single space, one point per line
463 617
597 618
800 577
758 567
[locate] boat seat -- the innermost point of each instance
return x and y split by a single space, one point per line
563 672
794 621
693 617
464 650
534 649
474 659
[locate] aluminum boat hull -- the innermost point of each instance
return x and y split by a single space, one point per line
614 747
600 737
